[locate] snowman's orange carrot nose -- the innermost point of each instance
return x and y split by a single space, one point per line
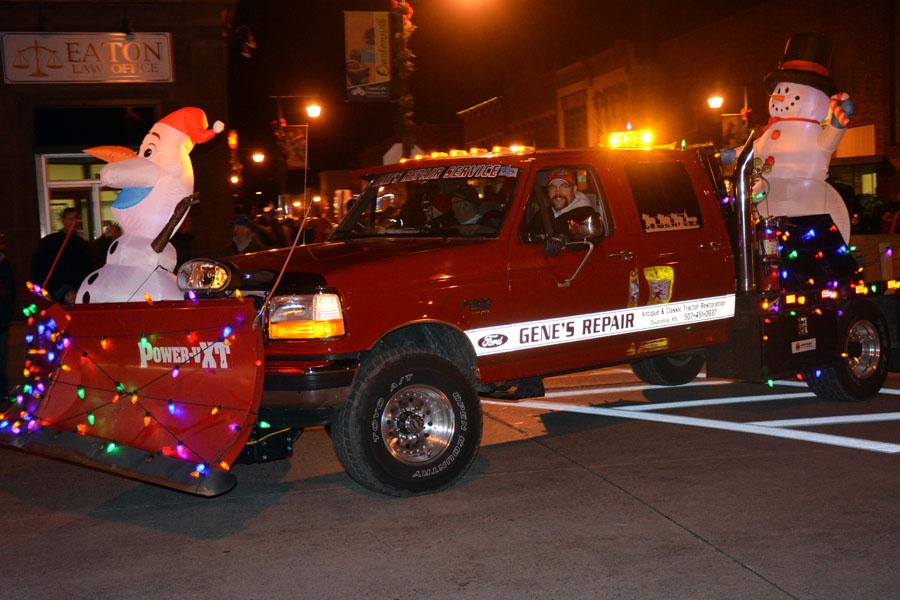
110 154
777 97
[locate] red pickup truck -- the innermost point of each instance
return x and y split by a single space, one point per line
453 278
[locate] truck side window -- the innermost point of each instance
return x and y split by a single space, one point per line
575 190
664 196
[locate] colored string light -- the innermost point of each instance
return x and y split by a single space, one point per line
43 330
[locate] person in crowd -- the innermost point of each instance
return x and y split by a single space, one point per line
322 227
74 261
99 247
243 237
7 300
270 230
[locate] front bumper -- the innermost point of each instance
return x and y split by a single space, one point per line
309 382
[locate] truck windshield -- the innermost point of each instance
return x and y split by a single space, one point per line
452 201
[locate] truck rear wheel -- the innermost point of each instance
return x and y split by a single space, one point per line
673 369
860 369
412 423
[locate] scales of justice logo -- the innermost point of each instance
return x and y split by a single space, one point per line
37 57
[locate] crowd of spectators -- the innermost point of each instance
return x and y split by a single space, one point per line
269 229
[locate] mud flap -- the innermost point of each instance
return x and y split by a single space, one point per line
166 393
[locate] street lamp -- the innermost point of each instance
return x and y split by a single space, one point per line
258 157
731 126
294 139
313 110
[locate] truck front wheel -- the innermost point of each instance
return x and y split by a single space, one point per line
673 369
860 368
412 423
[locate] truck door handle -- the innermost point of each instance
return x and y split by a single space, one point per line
714 246
620 255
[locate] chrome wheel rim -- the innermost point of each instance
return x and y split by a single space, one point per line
417 424
865 364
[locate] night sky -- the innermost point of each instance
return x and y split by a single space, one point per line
466 50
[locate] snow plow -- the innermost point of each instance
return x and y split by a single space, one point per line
166 392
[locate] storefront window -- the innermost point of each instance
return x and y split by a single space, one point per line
73 181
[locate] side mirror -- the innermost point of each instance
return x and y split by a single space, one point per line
589 228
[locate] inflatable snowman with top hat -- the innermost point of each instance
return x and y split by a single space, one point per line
807 122
156 193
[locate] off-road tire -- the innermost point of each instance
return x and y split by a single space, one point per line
861 366
673 369
399 396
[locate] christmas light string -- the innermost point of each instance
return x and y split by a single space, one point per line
798 289
39 383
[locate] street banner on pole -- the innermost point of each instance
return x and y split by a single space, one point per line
295 142
367 55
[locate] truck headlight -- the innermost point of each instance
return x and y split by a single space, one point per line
203 274
307 316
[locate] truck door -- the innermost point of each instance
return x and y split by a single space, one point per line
563 308
684 252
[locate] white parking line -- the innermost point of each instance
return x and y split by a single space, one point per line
789 383
629 388
714 401
872 418
807 436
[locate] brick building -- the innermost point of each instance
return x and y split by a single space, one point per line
79 74
663 85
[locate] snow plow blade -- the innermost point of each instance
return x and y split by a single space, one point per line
133 463
162 392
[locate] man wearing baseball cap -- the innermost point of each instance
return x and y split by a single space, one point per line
566 202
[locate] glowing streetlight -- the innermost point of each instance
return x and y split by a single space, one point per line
313 110
715 102
258 157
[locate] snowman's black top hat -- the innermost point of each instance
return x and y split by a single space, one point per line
807 61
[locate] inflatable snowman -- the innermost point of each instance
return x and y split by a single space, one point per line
156 193
807 122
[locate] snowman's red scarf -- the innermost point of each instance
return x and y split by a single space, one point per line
773 120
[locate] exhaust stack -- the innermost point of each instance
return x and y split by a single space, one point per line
741 180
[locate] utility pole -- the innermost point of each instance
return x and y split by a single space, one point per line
404 65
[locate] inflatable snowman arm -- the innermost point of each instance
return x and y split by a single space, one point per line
181 209
841 108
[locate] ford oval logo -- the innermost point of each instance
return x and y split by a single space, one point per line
492 340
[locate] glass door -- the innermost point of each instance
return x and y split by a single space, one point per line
73 181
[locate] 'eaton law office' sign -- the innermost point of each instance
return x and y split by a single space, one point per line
86 57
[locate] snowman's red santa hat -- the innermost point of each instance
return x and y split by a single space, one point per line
192 122
807 61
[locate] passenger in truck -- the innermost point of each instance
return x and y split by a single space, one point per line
465 203
463 215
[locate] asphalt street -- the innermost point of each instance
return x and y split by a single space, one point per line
605 488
